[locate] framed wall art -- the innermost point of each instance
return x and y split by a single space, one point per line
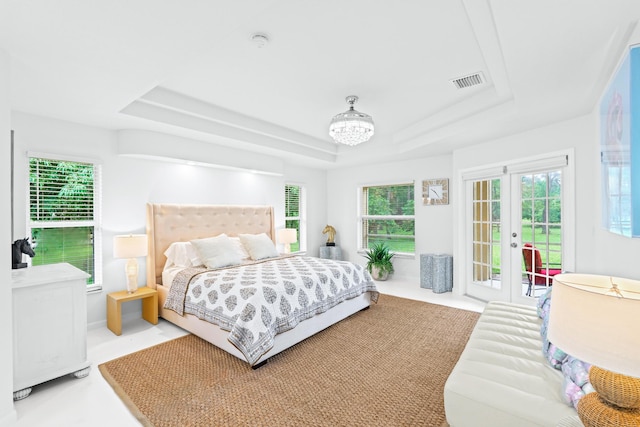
435 191
620 148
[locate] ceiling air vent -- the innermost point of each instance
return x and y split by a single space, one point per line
468 81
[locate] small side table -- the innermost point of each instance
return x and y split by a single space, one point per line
149 299
436 272
331 252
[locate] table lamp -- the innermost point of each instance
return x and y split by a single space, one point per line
130 246
597 319
287 236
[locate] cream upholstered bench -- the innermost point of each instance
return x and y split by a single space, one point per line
502 377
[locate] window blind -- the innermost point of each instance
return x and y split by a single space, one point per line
292 201
61 191
62 213
293 217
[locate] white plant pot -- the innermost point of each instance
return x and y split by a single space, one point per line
377 274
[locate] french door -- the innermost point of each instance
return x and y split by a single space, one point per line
517 233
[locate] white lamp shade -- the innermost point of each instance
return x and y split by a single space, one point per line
130 246
589 322
287 235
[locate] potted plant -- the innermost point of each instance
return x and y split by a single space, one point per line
379 261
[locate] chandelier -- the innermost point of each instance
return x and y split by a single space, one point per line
351 127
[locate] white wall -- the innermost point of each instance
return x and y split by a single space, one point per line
130 183
433 223
7 413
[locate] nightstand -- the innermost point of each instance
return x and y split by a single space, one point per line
330 252
149 299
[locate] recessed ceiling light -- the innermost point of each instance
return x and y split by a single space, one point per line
260 40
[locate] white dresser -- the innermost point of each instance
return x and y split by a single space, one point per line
49 325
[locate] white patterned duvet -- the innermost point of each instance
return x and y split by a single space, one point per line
256 301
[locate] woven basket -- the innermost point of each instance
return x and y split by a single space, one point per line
618 389
595 412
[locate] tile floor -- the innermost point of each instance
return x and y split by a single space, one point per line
90 401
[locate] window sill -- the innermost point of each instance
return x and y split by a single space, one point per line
403 255
94 289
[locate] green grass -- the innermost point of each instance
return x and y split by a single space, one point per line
68 244
395 244
539 239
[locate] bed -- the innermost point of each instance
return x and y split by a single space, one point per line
170 223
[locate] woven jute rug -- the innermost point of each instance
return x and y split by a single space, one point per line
385 366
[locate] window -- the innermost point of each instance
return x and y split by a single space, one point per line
387 215
294 214
64 214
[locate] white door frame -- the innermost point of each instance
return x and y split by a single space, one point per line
463 251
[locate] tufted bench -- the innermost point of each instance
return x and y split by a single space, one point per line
502 377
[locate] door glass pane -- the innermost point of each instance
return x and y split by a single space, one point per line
541 230
486 233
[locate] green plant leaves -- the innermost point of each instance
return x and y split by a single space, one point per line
380 256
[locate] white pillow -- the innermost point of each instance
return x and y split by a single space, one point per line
259 246
217 251
239 248
182 254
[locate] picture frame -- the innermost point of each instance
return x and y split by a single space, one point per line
619 148
435 191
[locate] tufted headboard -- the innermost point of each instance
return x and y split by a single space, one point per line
168 223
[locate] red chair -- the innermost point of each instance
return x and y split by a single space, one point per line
533 264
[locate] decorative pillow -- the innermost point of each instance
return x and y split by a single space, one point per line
555 356
239 248
217 251
543 304
576 382
182 254
259 246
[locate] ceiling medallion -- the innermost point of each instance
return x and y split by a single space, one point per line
351 127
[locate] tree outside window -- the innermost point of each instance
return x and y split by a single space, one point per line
388 216
63 213
293 213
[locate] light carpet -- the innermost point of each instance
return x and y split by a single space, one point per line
385 366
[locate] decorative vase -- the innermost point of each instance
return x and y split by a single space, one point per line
377 274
